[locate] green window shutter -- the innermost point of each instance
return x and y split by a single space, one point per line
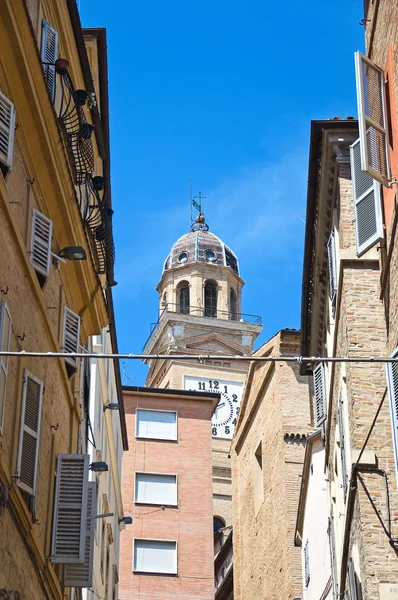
352 584
7 129
81 575
392 381
40 244
5 338
332 545
29 433
319 394
367 204
70 509
48 54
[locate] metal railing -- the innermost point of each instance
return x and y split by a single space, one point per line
202 311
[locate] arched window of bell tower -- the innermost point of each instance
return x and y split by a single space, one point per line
211 299
183 298
233 305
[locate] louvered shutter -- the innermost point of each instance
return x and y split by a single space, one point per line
372 119
5 337
342 447
351 581
332 545
7 128
70 509
320 394
49 52
29 433
306 565
40 245
81 575
332 270
392 379
71 334
367 204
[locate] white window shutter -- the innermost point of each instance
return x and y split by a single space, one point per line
306 565
367 204
392 380
49 53
320 394
155 556
372 119
70 509
29 433
40 244
344 473
81 575
5 338
156 488
156 424
7 129
71 334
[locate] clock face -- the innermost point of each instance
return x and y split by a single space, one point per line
226 414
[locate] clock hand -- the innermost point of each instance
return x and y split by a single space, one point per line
220 405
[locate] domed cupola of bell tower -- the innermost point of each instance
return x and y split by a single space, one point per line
200 309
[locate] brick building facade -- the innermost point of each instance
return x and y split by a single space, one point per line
267 459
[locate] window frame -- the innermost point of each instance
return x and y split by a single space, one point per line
175 542
142 437
141 503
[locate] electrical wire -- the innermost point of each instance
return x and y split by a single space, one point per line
203 357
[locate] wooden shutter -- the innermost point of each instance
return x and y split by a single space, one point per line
332 545
392 379
320 394
29 433
372 119
306 565
342 447
49 53
7 128
5 337
332 270
70 509
367 204
40 245
81 575
71 334
351 581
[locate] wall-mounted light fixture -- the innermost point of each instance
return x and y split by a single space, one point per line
112 406
98 467
103 516
69 253
126 520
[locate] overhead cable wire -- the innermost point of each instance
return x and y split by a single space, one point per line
203 357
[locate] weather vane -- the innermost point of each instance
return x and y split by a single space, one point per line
196 202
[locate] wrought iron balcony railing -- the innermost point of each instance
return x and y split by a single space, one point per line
200 311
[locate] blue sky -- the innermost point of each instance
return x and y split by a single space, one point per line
222 92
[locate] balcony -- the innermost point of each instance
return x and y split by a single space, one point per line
200 312
91 191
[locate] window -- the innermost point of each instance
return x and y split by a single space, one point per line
211 256
182 257
48 54
5 337
155 556
306 565
29 433
40 244
156 488
392 380
367 204
183 298
233 305
258 478
332 271
372 119
319 394
156 424
7 127
71 336
217 524
332 546
231 260
211 300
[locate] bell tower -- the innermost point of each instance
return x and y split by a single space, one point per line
200 312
